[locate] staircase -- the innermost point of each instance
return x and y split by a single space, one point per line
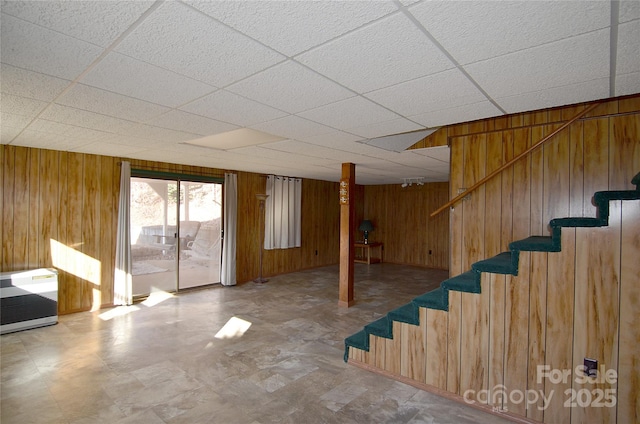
505 263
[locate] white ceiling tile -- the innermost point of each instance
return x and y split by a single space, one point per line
464 113
160 134
292 127
333 138
385 53
473 31
274 22
578 59
628 55
290 87
203 49
574 93
85 119
267 151
106 149
140 80
70 131
322 153
439 91
108 18
47 140
183 121
229 107
137 142
11 120
8 133
629 11
31 47
381 129
627 84
21 106
351 113
111 104
33 85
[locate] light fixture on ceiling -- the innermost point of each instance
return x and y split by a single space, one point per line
408 182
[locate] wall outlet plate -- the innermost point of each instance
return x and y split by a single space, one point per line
591 367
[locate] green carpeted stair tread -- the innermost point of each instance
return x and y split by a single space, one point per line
502 263
636 181
408 313
359 340
577 222
435 299
536 244
468 282
382 327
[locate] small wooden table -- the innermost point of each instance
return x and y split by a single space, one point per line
365 253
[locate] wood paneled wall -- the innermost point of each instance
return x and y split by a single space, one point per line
561 307
401 220
59 209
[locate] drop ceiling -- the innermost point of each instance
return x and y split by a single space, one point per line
328 80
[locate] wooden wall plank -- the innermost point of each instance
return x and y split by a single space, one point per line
73 292
497 290
537 330
34 230
474 348
596 161
473 208
8 223
493 197
456 181
576 169
537 181
436 366
624 151
454 333
559 321
557 180
21 210
517 329
91 195
597 307
48 199
628 395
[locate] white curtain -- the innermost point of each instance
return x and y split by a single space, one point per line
228 270
283 207
122 292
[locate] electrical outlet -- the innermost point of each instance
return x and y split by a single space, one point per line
591 367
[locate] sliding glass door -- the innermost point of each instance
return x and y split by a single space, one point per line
175 234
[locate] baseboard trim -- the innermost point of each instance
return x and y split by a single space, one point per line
443 393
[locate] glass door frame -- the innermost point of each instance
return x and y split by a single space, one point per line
179 178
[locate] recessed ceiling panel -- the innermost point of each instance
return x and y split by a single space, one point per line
291 87
385 53
235 139
180 39
312 22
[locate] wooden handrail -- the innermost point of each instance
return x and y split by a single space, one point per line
515 159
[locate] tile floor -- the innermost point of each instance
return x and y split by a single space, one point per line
160 362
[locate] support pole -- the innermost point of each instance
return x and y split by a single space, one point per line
347 226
